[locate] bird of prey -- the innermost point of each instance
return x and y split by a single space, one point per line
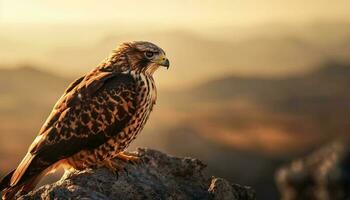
96 118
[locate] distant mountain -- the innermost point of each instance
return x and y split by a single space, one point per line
27 86
272 50
332 70
330 79
10 77
321 95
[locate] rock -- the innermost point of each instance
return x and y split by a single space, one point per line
157 176
220 189
323 175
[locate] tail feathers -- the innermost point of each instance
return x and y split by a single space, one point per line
5 182
5 186
10 192
21 169
24 178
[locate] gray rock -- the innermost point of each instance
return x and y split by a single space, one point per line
322 175
157 176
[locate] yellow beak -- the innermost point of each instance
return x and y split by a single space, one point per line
163 61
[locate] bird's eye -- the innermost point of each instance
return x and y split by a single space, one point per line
149 54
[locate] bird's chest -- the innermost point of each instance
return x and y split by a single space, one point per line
147 90
146 98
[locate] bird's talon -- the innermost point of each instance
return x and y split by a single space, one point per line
128 158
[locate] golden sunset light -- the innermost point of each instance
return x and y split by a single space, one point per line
257 90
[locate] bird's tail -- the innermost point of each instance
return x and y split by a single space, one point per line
5 182
25 177
10 192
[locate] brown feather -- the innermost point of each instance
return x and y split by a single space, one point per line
11 192
22 167
5 181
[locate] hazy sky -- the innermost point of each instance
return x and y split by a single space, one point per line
70 36
183 13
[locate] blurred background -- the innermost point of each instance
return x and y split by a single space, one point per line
252 84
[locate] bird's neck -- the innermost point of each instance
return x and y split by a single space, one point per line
146 83
151 69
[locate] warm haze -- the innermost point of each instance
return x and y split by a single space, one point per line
250 81
71 37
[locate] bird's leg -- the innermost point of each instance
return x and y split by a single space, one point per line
112 165
128 158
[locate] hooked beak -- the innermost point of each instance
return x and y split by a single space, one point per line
164 61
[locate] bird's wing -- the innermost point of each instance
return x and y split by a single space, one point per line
55 114
75 123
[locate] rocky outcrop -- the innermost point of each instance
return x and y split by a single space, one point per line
323 175
157 176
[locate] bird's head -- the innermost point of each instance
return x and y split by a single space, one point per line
140 56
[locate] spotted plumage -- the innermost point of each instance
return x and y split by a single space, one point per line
95 119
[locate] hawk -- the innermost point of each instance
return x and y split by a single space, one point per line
96 118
